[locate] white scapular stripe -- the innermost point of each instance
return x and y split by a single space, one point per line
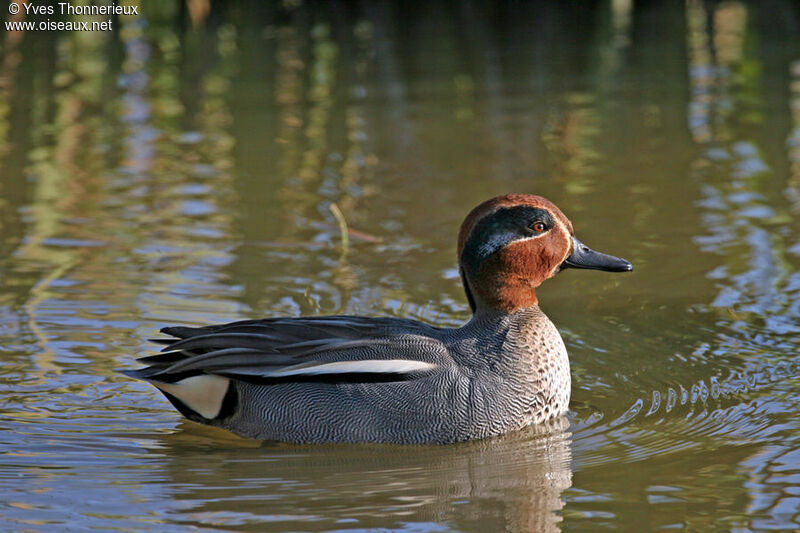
202 394
370 366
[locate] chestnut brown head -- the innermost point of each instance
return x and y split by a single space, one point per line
510 244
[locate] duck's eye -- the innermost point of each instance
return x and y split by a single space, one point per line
538 227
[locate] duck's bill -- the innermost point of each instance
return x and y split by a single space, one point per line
584 257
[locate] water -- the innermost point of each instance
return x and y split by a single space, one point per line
180 170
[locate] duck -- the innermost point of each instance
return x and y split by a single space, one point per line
343 378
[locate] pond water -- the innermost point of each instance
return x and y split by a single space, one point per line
180 170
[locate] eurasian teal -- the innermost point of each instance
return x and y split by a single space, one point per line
364 379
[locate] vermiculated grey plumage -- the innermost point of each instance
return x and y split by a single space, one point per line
479 386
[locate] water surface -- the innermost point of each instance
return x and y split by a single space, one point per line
181 169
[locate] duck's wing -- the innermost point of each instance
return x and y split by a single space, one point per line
280 350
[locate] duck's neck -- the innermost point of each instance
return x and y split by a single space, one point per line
504 294
511 298
489 314
505 299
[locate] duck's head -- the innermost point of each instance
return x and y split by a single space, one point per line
510 244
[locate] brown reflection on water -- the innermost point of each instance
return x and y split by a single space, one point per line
513 483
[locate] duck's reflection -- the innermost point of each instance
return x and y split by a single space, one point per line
511 483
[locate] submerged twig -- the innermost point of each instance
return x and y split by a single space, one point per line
337 213
354 234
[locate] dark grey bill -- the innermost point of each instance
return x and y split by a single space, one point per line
584 257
